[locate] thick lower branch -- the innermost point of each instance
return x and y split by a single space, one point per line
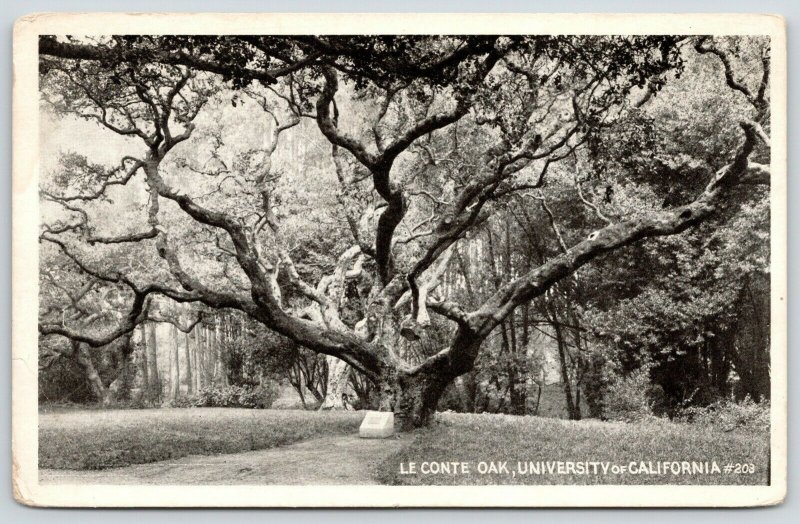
460 356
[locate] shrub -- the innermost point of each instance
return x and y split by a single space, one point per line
728 415
260 396
183 402
628 398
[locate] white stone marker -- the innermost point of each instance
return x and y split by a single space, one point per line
377 424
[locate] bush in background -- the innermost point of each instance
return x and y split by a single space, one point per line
259 396
629 397
728 415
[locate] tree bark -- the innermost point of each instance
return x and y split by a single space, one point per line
216 337
338 376
84 359
566 381
120 386
198 357
144 375
188 353
154 380
174 365
413 397
208 354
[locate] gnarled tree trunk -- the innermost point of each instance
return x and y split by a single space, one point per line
412 396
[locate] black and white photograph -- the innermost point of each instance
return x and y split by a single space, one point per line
346 254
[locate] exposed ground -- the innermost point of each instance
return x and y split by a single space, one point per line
232 446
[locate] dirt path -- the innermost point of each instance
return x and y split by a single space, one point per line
328 460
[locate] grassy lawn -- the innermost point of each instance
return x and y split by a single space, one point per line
497 438
99 439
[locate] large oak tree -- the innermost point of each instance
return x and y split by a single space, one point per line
427 135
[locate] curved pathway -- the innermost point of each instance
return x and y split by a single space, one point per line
344 460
